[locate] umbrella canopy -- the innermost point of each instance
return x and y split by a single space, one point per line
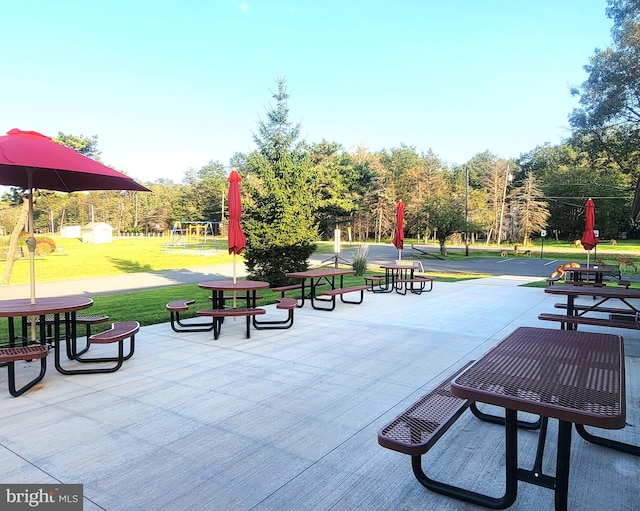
52 166
30 160
235 237
589 239
398 236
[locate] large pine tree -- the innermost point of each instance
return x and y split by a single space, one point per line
279 203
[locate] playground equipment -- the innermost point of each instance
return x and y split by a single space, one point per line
193 235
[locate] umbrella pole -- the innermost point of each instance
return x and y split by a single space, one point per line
31 245
234 281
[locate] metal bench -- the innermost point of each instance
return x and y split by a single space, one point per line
373 281
175 308
420 426
610 310
293 287
118 333
341 291
10 356
421 281
614 321
288 304
218 315
283 289
81 319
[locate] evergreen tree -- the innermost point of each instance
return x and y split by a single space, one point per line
278 212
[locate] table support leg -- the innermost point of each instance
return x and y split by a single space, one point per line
563 459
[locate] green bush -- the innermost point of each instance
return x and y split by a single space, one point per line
272 263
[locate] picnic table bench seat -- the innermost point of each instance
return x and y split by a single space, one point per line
341 291
218 315
612 321
175 307
119 332
81 319
420 426
555 277
294 287
375 280
283 289
11 355
421 280
610 310
288 304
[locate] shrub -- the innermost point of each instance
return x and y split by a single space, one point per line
45 245
359 263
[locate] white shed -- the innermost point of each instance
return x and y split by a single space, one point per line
97 232
70 231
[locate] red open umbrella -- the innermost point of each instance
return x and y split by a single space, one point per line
589 239
30 160
398 236
235 237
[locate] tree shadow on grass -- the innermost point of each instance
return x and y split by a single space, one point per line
178 276
129 266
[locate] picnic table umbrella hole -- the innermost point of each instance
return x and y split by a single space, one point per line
30 160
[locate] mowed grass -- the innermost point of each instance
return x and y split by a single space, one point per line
76 260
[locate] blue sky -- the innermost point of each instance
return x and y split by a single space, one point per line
170 85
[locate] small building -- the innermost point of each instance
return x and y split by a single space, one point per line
97 232
70 231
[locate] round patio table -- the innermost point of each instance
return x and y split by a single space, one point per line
23 308
219 287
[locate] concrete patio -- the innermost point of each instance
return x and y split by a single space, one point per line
288 419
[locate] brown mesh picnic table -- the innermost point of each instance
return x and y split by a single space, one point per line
575 377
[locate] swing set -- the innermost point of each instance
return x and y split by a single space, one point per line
194 236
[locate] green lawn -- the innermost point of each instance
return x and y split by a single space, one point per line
125 255
74 259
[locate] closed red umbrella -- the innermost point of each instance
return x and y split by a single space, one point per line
398 236
589 239
235 237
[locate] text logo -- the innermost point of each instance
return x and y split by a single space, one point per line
50 497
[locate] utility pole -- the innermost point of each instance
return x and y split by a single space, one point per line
466 212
